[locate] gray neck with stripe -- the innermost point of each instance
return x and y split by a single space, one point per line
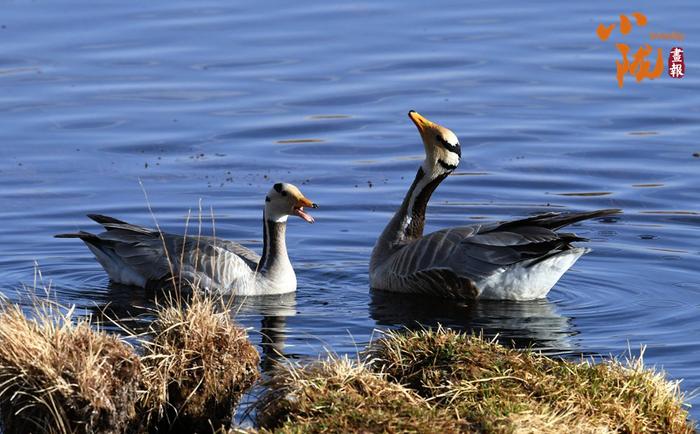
274 261
409 221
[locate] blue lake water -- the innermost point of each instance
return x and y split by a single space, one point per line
214 101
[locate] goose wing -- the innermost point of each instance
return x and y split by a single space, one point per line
457 257
155 256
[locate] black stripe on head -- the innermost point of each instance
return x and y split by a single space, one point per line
278 187
450 147
446 166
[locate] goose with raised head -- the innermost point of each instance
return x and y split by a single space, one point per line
512 260
148 258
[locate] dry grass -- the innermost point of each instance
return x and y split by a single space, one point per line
60 375
340 395
499 388
442 381
197 365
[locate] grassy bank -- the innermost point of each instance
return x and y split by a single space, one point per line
448 382
61 374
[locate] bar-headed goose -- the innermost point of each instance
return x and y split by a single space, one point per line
139 256
515 260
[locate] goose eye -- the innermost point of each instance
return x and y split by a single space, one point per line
284 192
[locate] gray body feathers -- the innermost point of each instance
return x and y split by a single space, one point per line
135 255
518 259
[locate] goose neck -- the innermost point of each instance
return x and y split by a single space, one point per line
274 260
410 218
409 221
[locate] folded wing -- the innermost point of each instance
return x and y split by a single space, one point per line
455 256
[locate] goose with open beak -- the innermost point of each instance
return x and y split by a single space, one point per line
134 255
514 260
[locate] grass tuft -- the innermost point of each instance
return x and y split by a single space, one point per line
197 364
62 374
496 387
443 381
342 395
59 375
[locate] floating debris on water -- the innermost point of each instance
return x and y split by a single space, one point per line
293 141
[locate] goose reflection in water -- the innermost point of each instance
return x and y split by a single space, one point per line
274 310
125 306
534 323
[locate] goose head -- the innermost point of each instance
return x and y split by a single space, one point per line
284 200
442 150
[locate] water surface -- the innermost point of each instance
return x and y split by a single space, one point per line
210 103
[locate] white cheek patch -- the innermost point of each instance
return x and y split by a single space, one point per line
275 215
280 218
451 159
443 162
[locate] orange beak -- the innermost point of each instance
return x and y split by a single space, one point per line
299 209
306 202
421 122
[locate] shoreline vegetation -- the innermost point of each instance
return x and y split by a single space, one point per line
61 373
449 382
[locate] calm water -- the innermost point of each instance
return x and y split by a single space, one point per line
214 101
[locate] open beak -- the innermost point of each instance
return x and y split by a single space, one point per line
299 209
421 122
